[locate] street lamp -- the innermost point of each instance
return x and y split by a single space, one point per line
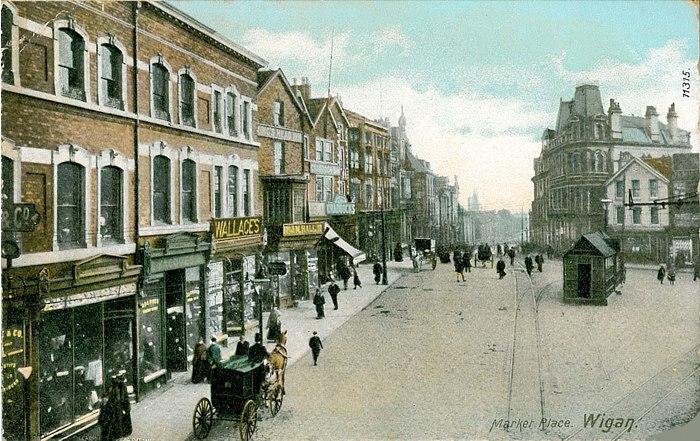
606 203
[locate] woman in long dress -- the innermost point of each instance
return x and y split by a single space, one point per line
273 325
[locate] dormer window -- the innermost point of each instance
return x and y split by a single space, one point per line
71 73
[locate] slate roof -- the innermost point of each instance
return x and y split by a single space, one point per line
598 242
315 105
634 130
416 163
587 101
663 165
264 76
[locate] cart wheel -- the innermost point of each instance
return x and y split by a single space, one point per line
202 418
249 420
274 400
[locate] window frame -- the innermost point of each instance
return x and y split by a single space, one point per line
620 220
235 117
636 190
233 209
620 184
653 188
246 193
156 149
185 72
637 215
111 41
14 45
278 162
163 62
217 175
78 155
193 217
654 218
81 234
108 158
72 26
278 113
218 109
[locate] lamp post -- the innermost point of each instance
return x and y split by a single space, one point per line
384 277
606 203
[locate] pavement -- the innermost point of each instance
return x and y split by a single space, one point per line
166 414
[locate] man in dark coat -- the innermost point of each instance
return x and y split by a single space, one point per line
511 254
242 347
528 265
333 290
459 265
501 268
467 261
319 301
257 352
200 367
377 270
539 260
115 413
355 279
316 346
214 354
344 273
661 274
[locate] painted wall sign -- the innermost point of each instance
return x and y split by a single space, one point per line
280 133
339 206
87 298
235 227
306 229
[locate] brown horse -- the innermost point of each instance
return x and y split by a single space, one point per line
277 359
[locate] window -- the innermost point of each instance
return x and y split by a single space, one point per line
679 189
8 182
619 189
380 164
637 215
368 138
111 76
111 220
620 215
328 188
71 49
319 149
8 75
279 157
187 100
217 111
319 189
653 188
354 134
232 194
161 91
218 171
161 189
355 190
70 229
278 113
368 195
298 204
368 161
246 193
654 215
231 113
246 119
328 151
635 188
189 191
306 147
354 159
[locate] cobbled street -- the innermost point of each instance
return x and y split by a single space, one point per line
431 359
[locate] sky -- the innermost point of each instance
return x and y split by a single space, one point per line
479 81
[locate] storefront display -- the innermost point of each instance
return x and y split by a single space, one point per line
215 300
119 340
55 367
87 355
13 384
150 345
193 309
233 298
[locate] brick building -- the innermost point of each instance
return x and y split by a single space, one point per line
131 128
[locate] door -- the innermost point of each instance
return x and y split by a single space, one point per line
175 342
584 280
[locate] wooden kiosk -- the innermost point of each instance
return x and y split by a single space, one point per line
591 269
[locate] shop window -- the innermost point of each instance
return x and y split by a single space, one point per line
187 100
232 194
150 344
13 358
111 214
161 91
71 73
55 371
119 322
193 309
246 193
233 305
87 353
189 191
8 76
161 189
279 157
111 76
218 171
70 227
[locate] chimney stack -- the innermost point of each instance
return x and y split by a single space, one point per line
304 88
672 121
615 116
652 123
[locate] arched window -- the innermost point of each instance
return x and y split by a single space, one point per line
111 76
111 210
187 100
8 75
597 164
70 226
161 91
189 191
71 69
232 193
161 189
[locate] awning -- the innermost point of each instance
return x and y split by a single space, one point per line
357 255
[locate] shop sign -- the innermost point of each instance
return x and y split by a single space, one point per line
20 217
339 206
306 229
236 227
12 357
280 133
90 297
277 268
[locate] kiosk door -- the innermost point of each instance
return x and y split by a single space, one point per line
584 280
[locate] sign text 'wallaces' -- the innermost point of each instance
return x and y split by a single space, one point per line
235 227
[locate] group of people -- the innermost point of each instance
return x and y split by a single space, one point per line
529 266
462 262
663 273
207 358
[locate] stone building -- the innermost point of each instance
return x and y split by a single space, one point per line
131 129
423 208
684 248
581 153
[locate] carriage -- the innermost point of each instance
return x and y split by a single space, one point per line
238 389
425 249
483 255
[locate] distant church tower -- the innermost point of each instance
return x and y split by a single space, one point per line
473 202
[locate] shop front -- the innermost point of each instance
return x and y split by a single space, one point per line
170 305
296 247
233 264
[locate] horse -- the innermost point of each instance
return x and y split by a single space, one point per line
277 360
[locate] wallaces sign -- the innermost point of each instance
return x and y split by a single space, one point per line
236 227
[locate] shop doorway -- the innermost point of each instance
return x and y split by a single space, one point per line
175 342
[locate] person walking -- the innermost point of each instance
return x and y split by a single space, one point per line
501 268
257 352
200 368
115 412
316 346
377 271
355 279
671 274
242 347
274 324
333 290
344 273
661 274
696 270
459 265
511 254
539 260
214 354
528 265
319 301
467 261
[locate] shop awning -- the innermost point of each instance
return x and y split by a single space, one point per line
357 255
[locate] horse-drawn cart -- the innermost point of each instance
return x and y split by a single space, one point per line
425 250
238 389
483 255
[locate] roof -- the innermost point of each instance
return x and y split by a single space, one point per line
598 243
240 364
265 78
564 114
634 130
663 165
587 101
645 165
416 163
315 106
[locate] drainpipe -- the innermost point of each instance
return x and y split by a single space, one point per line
135 72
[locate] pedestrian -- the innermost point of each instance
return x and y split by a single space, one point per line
398 252
274 324
257 352
511 254
115 412
214 354
539 260
459 266
467 261
333 290
344 273
316 346
528 265
200 368
242 347
661 274
671 274
501 268
696 270
355 279
377 271
319 301
499 250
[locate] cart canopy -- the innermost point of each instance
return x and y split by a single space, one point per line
240 363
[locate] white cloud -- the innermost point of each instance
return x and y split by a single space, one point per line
390 38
